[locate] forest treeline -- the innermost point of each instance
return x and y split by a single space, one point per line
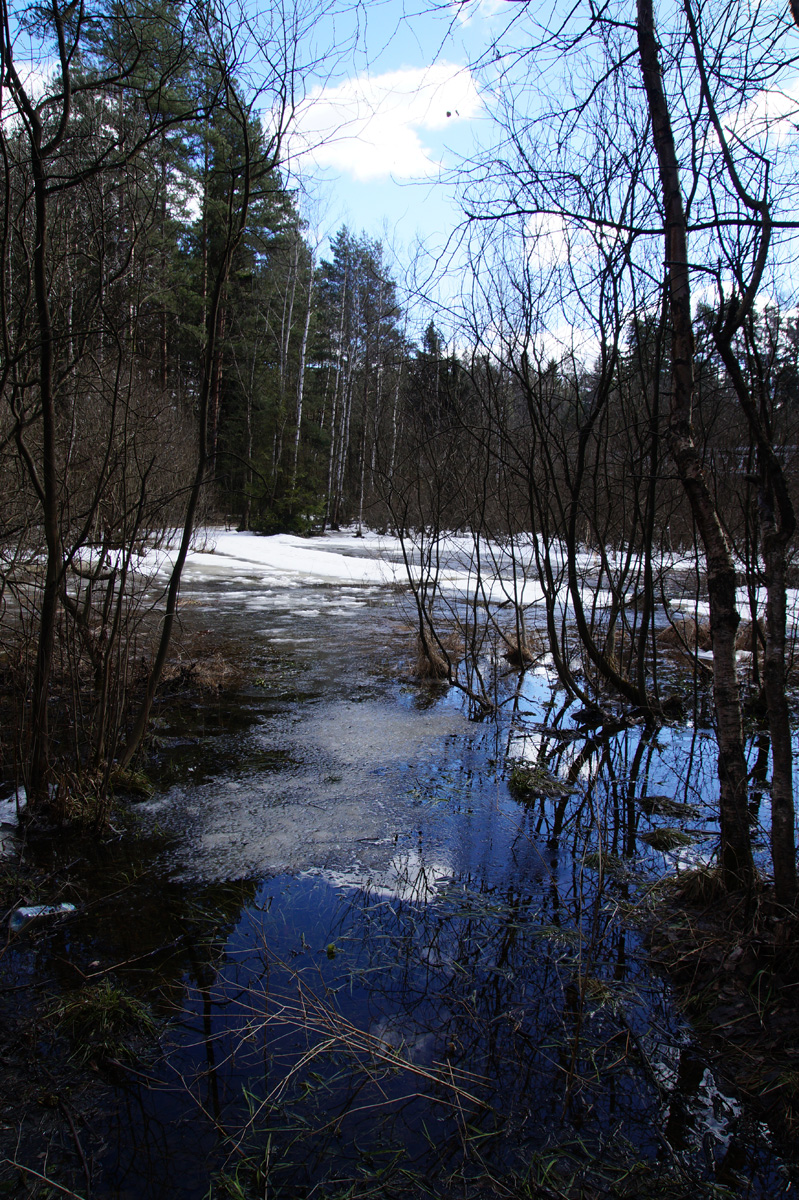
175 347
172 350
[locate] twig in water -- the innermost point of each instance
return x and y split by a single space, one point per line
78 1147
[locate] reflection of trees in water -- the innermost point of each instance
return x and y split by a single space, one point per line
459 1035
619 772
439 1026
604 772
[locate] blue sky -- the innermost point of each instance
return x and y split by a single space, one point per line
373 144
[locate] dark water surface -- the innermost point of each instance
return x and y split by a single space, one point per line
370 967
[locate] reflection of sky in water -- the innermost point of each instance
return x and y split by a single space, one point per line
332 987
408 876
403 904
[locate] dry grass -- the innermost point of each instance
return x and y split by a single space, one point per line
743 636
734 965
664 806
684 633
699 886
522 654
433 657
531 782
666 839
212 673
101 1020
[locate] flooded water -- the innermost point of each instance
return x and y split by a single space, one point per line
372 970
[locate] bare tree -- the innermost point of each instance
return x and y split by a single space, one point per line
604 168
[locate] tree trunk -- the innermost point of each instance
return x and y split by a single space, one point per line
47 488
301 380
783 836
736 850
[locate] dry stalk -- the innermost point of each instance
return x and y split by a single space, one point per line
309 1014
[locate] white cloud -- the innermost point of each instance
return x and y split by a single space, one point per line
35 78
774 110
466 10
369 127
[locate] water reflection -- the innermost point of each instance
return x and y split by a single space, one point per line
421 978
445 1028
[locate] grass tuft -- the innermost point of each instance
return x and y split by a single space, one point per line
664 806
529 783
699 886
131 783
432 657
666 839
101 1020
